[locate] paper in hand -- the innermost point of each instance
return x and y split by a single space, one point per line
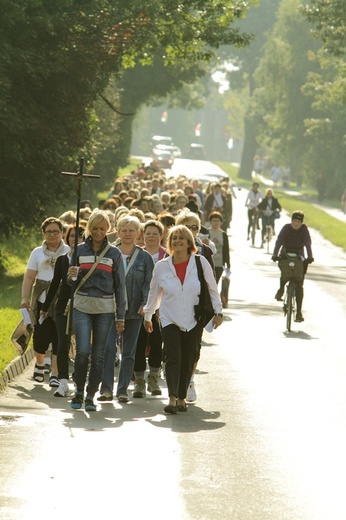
26 316
210 326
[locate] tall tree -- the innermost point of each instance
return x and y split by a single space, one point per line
329 19
326 128
279 104
299 102
57 57
258 22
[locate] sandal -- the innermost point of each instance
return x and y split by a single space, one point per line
182 408
38 373
170 409
54 382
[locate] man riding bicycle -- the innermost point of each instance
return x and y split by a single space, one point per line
253 198
269 209
294 236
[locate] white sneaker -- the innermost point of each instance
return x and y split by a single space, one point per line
63 389
191 396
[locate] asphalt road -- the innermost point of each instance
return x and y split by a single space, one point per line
266 439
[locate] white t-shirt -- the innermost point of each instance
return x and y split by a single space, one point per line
44 265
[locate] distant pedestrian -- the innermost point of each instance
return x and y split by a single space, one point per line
275 174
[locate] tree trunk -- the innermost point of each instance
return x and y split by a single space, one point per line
249 149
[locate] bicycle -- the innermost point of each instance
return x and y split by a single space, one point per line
269 231
292 268
254 225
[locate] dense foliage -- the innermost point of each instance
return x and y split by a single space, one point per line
296 113
329 19
57 59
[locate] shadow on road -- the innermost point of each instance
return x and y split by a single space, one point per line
194 420
298 334
38 403
256 308
329 278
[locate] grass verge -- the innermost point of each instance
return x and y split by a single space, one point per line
16 252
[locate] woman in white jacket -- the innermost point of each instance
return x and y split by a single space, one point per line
174 290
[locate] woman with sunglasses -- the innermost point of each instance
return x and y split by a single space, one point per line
60 288
193 223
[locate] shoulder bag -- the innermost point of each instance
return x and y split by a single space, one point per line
82 282
204 311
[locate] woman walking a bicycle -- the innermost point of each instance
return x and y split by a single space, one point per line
294 237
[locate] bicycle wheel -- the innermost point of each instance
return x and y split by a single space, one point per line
290 305
268 236
253 230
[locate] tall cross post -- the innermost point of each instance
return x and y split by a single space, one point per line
80 176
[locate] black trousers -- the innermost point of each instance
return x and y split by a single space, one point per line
154 340
63 340
45 334
180 351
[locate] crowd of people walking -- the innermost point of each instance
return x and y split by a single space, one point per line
134 268
131 269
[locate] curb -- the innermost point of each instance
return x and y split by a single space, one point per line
15 368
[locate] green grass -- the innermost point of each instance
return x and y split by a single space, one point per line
16 252
330 228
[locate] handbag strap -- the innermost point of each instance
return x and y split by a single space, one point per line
93 267
132 260
200 276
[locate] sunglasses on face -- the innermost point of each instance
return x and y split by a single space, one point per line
194 227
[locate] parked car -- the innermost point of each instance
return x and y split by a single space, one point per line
197 151
172 149
205 171
161 139
163 157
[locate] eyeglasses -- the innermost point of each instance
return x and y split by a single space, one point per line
53 232
194 227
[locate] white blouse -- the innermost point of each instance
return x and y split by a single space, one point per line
176 301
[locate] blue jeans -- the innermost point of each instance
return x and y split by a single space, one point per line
109 362
85 324
130 337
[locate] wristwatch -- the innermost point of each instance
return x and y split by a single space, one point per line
219 314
